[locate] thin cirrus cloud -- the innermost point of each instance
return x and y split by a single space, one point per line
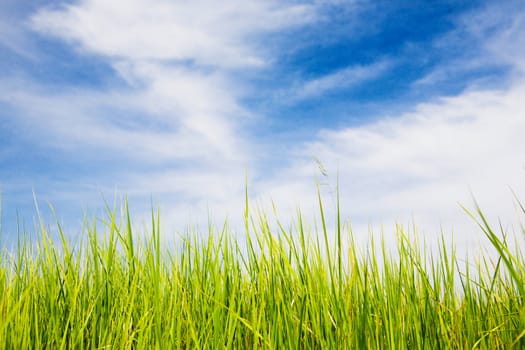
198 31
341 79
101 121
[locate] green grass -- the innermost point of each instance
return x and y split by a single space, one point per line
274 288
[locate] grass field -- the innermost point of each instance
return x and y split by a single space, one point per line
276 288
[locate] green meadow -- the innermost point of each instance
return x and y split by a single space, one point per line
274 286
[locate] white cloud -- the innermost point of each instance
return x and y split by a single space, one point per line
341 79
97 120
177 57
420 165
181 61
13 35
197 31
489 37
499 27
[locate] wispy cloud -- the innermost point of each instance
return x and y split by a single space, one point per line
14 36
101 121
487 38
198 32
341 79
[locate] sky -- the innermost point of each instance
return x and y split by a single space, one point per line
410 108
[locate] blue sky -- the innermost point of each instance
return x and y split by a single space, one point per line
413 104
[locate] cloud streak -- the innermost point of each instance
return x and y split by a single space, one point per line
217 36
342 79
